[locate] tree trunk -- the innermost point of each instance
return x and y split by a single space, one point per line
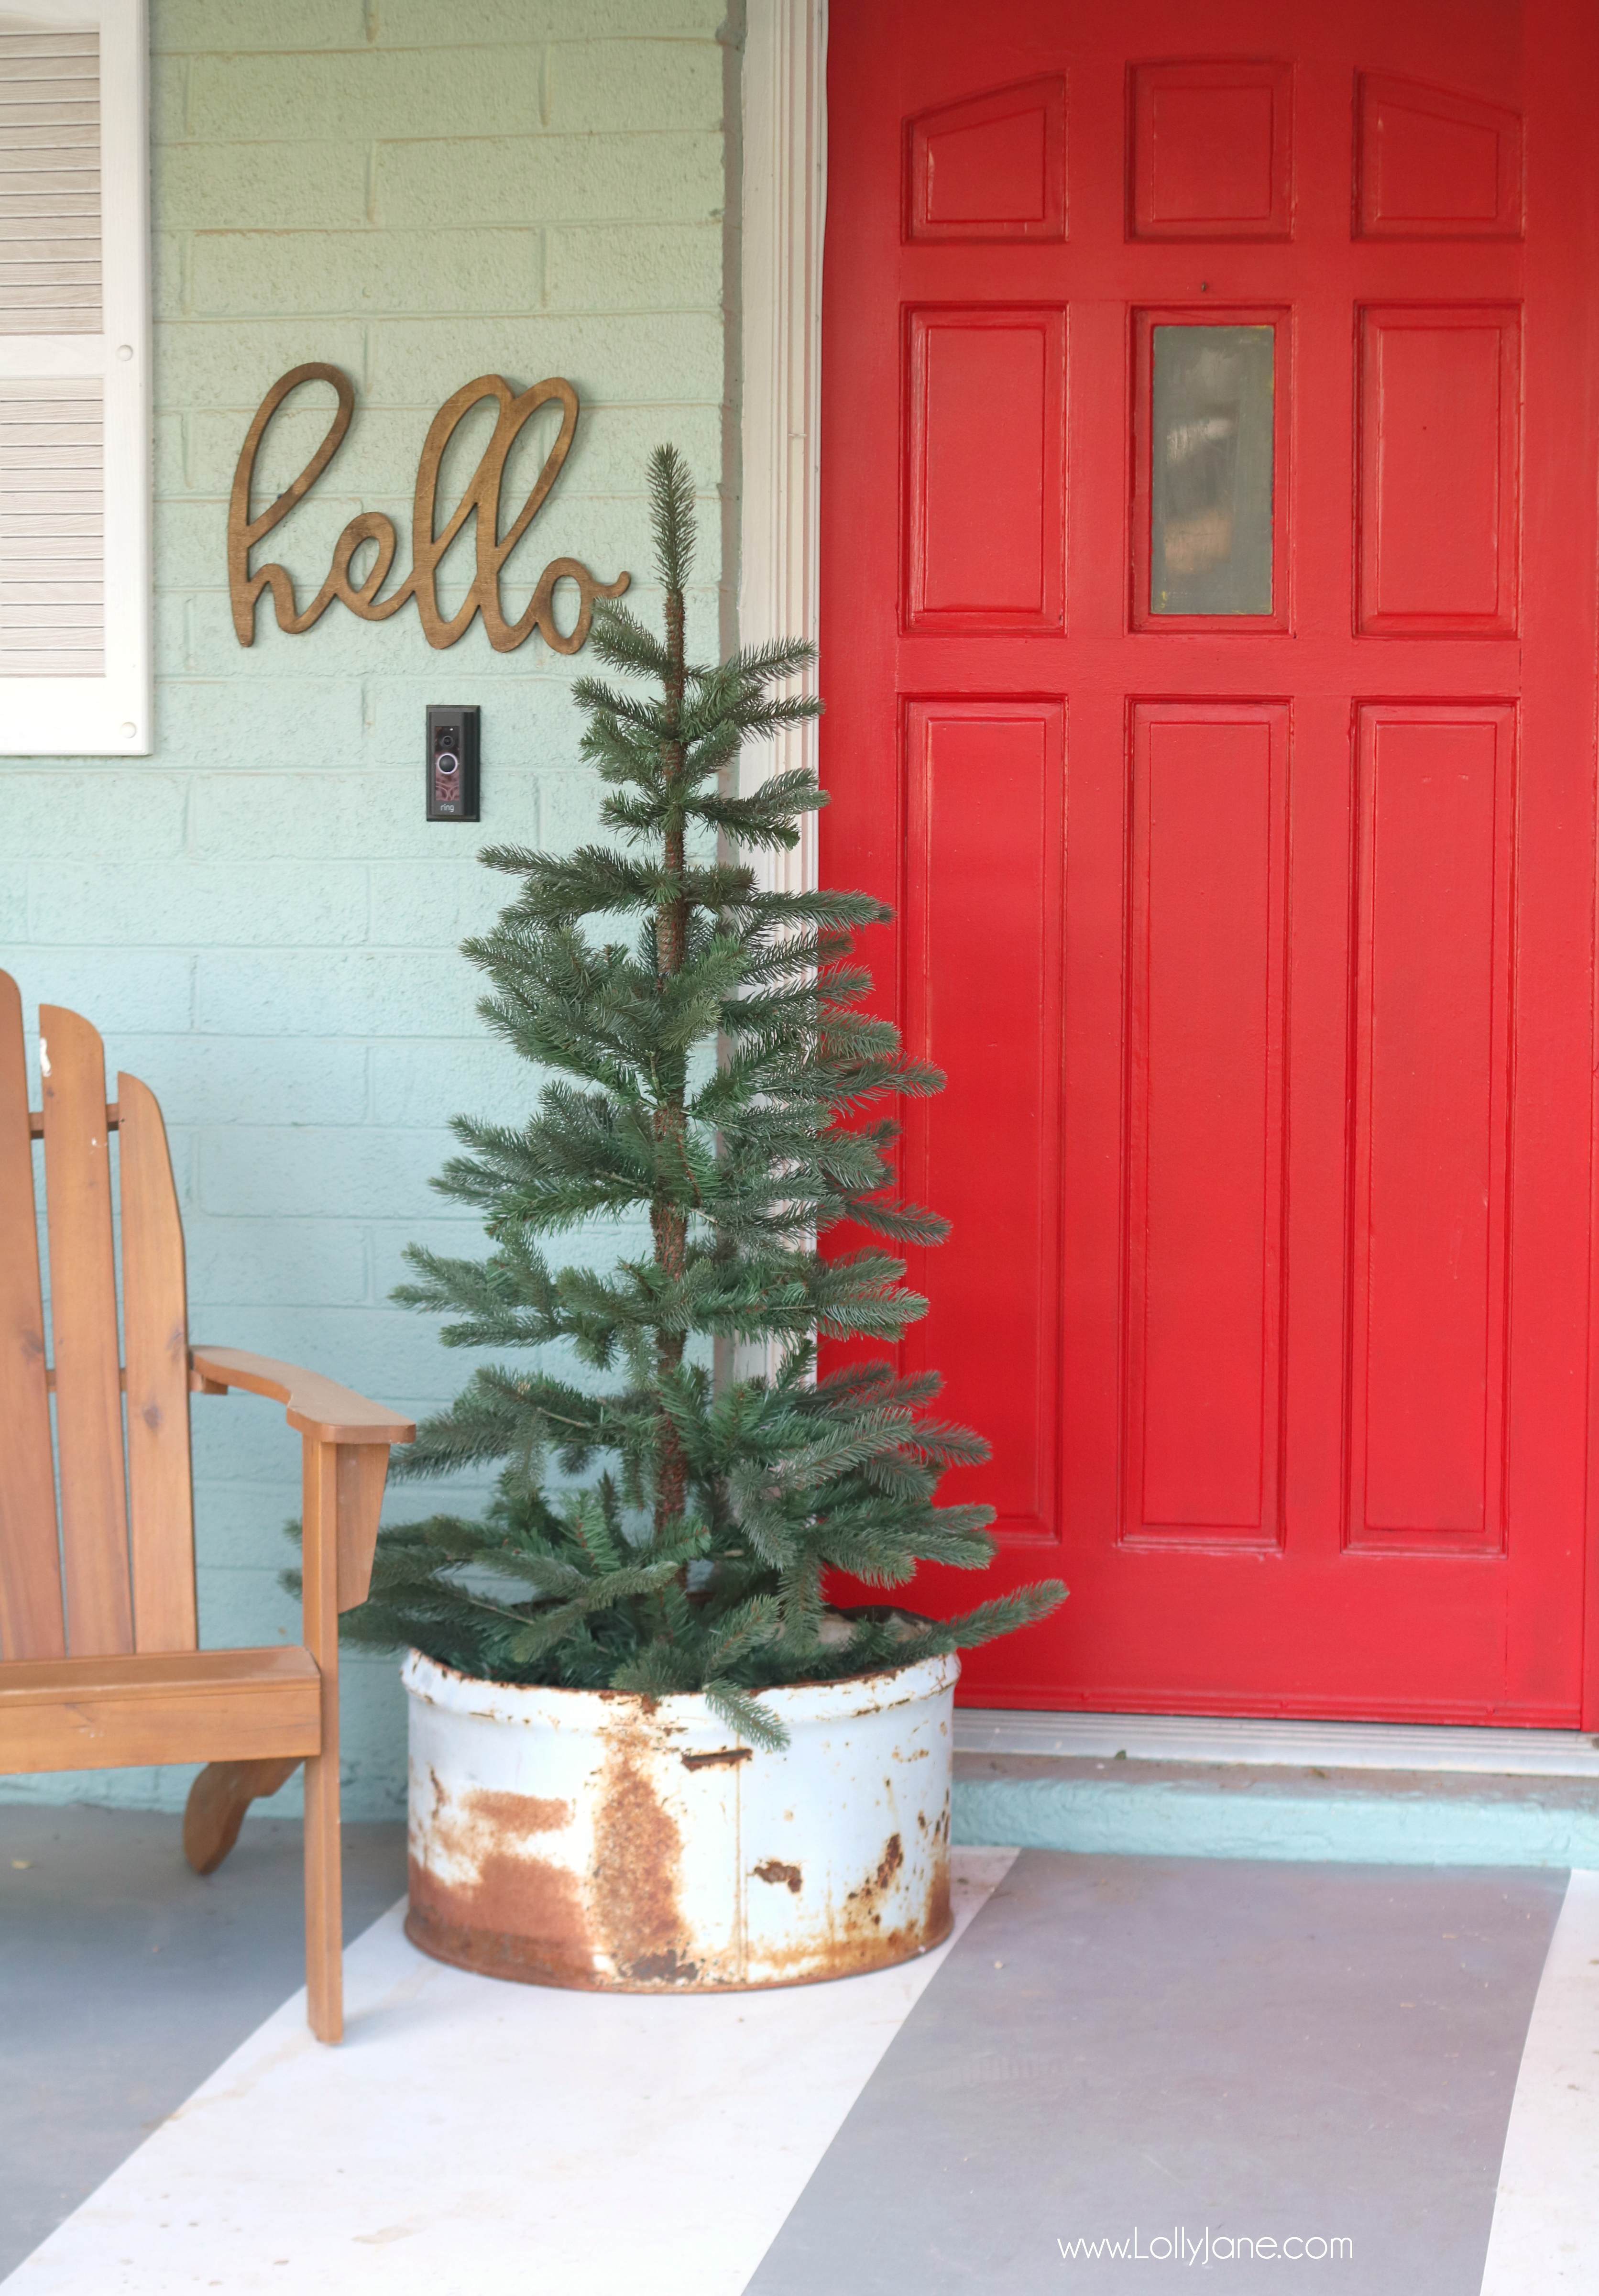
668 1222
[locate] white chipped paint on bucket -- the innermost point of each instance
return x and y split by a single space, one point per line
597 1838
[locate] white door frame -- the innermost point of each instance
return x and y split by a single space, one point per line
784 203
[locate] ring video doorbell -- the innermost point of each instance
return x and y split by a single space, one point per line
452 764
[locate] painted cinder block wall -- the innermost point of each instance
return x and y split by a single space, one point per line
256 915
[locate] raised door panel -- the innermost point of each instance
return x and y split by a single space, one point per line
1433 165
1432 1061
1439 471
1205 1097
985 855
1212 151
992 167
985 522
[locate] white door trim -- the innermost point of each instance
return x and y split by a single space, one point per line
785 199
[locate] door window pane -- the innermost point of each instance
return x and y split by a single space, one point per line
1211 489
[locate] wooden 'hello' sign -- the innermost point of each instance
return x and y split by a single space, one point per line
481 499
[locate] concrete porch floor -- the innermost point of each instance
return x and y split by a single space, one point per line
1206 2061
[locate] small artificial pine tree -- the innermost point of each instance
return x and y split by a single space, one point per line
711 1069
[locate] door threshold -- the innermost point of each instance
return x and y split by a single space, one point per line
1266 1743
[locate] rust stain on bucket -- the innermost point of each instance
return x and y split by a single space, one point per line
477 1899
848 1940
637 1852
888 1866
772 1869
940 1915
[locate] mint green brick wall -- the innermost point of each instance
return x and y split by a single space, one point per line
256 916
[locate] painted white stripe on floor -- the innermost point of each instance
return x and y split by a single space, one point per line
476 2138
1545 2229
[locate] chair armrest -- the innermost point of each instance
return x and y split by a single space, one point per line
319 1407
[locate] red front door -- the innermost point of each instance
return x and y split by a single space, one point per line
1210 409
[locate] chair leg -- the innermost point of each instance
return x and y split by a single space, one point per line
217 1800
324 1907
324 1899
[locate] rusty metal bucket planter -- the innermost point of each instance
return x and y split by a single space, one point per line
599 1839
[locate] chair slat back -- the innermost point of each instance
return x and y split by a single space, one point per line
32 1625
155 1327
83 1322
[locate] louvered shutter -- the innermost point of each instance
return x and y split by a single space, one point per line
74 582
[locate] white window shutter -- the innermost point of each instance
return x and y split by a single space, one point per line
74 578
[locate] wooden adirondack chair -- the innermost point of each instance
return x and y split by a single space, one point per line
99 1658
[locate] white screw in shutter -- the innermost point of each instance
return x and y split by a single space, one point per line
75 585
